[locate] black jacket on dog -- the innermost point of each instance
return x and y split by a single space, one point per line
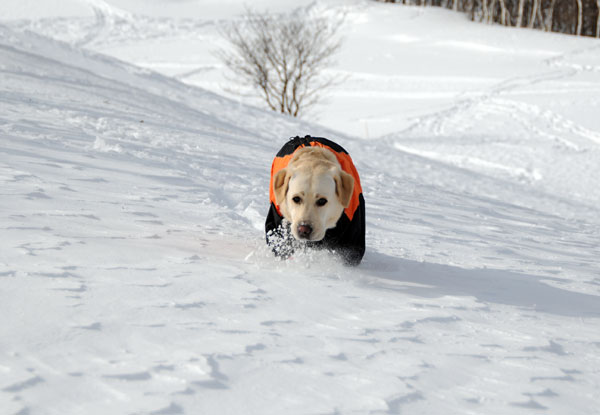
347 238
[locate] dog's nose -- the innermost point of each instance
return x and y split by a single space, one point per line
304 231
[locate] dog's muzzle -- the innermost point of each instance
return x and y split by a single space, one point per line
304 231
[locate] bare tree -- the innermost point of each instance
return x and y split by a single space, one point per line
534 14
579 18
598 19
282 57
549 20
520 13
491 10
504 13
485 15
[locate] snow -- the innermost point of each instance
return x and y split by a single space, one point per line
134 277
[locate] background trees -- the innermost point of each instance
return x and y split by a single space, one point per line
575 17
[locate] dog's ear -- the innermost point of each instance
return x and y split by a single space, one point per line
280 185
344 186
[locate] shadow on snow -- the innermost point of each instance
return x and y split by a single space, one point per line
486 285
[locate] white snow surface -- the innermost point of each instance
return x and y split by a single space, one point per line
134 278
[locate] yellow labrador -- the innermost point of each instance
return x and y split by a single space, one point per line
312 192
316 200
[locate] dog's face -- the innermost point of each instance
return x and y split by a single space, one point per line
312 192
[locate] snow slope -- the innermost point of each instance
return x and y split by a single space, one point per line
425 59
134 278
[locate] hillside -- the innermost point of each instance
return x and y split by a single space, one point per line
134 276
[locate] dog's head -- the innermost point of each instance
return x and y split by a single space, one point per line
312 192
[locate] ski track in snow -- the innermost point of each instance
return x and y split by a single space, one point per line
531 128
134 278
438 123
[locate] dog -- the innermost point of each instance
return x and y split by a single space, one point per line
316 200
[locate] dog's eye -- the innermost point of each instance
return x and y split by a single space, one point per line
296 200
321 202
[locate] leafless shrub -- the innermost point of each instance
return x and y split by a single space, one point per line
282 57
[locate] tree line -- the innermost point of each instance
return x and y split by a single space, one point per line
574 17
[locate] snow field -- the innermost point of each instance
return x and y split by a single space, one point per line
133 273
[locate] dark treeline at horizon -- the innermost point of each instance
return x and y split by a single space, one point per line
574 17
